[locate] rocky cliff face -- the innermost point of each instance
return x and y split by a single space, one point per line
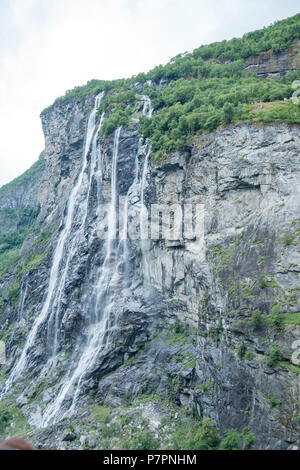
165 325
20 199
275 63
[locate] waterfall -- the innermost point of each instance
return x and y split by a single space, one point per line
96 166
148 110
98 323
77 237
108 280
57 277
137 188
112 218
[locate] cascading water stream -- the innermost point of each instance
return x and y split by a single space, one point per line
138 189
66 248
108 279
55 272
148 111
147 108
95 165
77 238
97 328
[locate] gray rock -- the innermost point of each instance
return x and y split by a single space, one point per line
247 177
68 436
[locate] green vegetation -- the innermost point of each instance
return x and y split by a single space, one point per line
12 417
179 335
126 399
235 441
273 402
119 108
276 37
4 334
5 417
256 319
241 351
205 388
189 362
290 367
33 262
222 94
8 259
262 281
19 224
287 239
190 436
13 292
91 88
19 221
27 178
12 240
131 428
10 252
209 433
249 355
101 414
204 90
46 235
274 357
291 318
142 440
277 319
276 316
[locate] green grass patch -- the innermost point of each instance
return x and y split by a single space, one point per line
290 367
33 262
8 260
12 420
101 413
13 292
291 318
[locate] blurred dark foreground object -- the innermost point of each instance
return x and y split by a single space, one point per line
16 443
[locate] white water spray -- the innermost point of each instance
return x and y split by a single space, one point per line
97 328
55 272
148 110
107 279
100 298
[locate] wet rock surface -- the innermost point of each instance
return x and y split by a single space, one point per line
180 322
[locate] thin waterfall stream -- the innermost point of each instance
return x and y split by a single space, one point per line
112 273
97 328
116 253
56 278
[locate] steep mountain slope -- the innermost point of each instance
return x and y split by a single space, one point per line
115 339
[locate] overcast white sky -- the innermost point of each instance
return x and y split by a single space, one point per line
49 46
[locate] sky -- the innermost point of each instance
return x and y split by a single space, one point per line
50 46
